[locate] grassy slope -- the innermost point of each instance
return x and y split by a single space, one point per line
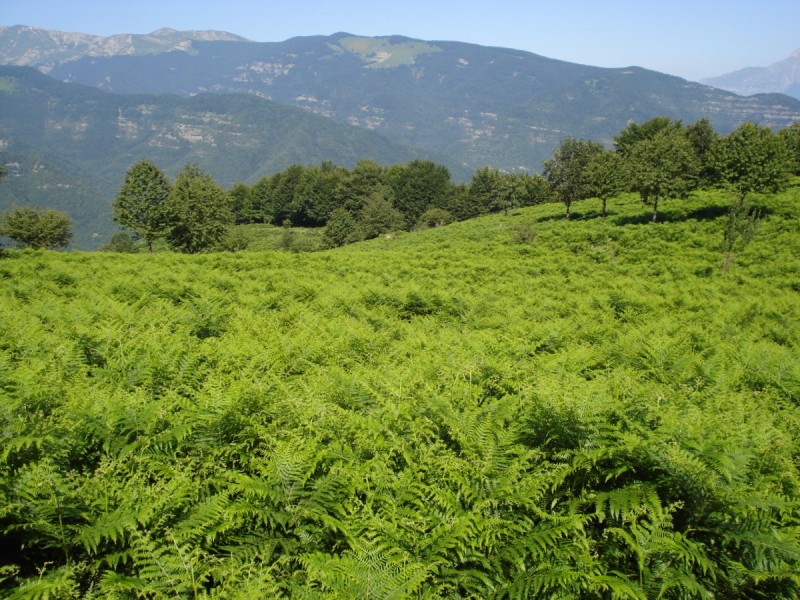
444 411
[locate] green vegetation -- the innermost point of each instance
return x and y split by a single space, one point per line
70 146
36 227
465 104
387 52
139 205
514 406
197 213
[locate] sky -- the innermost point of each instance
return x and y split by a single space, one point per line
691 39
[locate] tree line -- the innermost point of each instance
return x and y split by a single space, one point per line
660 159
352 204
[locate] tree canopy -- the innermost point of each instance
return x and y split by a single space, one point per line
566 170
37 228
197 212
662 167
752 160
139 205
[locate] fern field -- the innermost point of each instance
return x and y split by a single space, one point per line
511 407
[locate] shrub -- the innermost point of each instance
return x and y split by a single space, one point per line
434 217
37 228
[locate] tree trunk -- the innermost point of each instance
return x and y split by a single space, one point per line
729 258
655 210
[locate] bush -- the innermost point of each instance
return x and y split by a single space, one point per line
524 233
434 217
342 228
37 228
120 242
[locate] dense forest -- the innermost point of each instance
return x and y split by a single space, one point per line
558 394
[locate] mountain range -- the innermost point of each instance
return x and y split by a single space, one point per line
204 97
67 146
782 76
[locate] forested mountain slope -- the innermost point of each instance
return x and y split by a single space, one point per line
67 146
475 105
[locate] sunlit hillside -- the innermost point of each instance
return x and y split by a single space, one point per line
515 406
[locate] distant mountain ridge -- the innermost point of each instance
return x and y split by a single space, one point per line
31 46
200 97
782 76
474 105
67 146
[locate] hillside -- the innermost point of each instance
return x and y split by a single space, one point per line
782 76
474 105
471 104
68 146
593 411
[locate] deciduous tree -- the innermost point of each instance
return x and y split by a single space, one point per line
242 204
139 205
378 216
662 167
37 227
418 186
566 170
197 212
606 176
702 137
791 135
752 160
635 133
342 228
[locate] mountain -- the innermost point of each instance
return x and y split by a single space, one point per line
67 146
476 105
783 77
23 45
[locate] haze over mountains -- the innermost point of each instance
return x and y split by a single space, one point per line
782 76
388 99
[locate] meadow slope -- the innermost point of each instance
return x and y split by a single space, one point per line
513 406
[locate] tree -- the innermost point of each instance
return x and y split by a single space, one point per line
791 135
740 228
537 190
197 212
481 190
120 242
342 228
365 181
418 186
662 167
37 228
702 137
285 186
272 196
566 172
139 205
378 216
752 160
606 176
635 133
319 193
242 204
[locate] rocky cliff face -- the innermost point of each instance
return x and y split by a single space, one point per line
30 46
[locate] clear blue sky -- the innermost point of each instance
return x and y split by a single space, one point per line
692 39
